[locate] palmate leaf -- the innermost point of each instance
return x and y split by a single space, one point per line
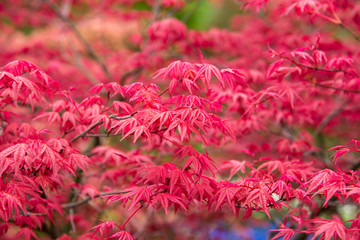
235 166
226 194
328 229
207 71
229 75
10 203
137 132
19 67
122 235
165 200
174 70
284 232
149 173
134 194
260 197
320 179
200 163
26 233
353 145
180 178
103 228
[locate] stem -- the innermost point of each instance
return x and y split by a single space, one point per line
328 118
122 227
346 28
102 194
82 134
336 88
72 26
86 131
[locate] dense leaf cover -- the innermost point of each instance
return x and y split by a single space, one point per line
155 131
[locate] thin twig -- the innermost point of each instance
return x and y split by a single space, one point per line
82 134
346 28
72 26
86 131
130 73
336 88
87 199
86 72
329 117
72 222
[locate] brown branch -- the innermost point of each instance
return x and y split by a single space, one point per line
72 26
336 88
130 73
82 134
319 69
346 28
118 134
329 117
87 199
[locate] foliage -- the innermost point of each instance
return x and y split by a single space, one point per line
141 127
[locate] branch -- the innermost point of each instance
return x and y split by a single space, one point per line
82 134
130 73
87 199
72 26
118 134
319 69
86 131
329 117
314 68
346 28
336 88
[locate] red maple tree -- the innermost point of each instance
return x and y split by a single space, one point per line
168 132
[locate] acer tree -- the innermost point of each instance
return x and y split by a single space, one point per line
122 120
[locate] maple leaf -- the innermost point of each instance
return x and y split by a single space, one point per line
353 145
230 74
162 118
320 179
166 199
200 163
227 192
96 89
328 229
124 125
174 71
281 188
186 150
116 88
109 154
340 63
17 68
10 203
138 131
103 228
284 232
122 107
205 188
4 228
156 174
27 233
208 70
260 197
122 235
180 178
189 84
135 194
